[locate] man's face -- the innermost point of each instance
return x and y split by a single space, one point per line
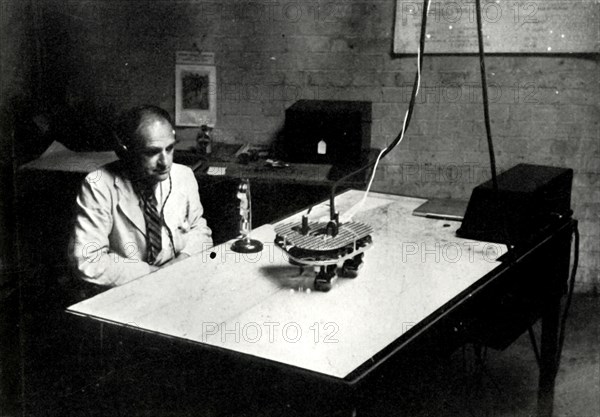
154 153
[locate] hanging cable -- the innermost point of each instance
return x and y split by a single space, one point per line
162 217
484 92
488 129
407 118
534 346
565 313
563 322
350 213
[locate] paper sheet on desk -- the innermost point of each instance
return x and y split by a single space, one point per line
59 158
349 208
216 170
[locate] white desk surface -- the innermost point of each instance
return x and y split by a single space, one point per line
258 304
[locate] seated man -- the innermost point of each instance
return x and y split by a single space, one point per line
140 213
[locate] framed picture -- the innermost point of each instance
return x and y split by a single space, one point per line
195 95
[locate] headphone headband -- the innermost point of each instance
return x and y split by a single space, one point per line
130 123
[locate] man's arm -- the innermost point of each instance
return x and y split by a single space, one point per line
89 250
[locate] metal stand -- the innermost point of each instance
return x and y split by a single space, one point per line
245 244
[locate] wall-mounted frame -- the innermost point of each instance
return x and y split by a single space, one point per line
195 95
509 26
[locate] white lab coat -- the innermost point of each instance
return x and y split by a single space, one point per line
108 243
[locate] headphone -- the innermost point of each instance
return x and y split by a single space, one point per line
123 141
129 123
121 149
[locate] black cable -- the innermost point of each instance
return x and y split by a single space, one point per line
404 127
488 129
534 345
486 110
563 323
162 216
563 320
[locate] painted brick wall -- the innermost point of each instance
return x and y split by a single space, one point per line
544 109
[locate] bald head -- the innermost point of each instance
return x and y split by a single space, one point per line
147 141
134 124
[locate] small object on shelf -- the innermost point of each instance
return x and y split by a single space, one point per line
204 140
250 153
216 170
276 163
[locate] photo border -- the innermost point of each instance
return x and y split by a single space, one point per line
195 117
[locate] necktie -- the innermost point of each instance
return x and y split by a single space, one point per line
153 227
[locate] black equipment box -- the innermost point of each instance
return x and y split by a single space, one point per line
530 198
327 131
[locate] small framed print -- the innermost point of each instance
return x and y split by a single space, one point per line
195 95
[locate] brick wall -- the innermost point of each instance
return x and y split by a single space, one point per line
544 109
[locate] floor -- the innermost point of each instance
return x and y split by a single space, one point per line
503 384
507 385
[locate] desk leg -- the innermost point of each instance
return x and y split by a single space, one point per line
558 273
549 356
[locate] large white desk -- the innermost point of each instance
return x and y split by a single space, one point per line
258 304
416 274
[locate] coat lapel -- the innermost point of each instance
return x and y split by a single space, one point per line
129 203
174 203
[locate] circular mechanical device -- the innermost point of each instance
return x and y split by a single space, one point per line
332 249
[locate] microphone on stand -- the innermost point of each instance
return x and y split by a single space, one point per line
245 244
